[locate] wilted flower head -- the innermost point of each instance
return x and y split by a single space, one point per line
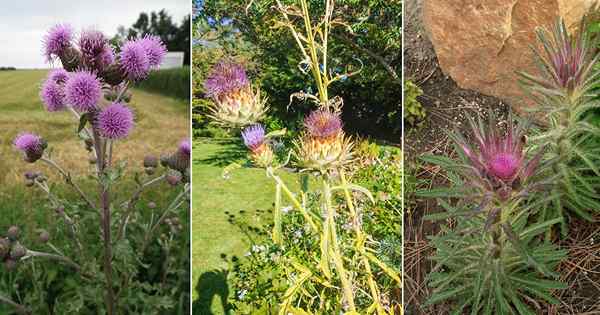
95 49
58 75
254 137
225 77
83 90
31 145
115 121
134 60
498 162
155 49
57 39
323 123
53 95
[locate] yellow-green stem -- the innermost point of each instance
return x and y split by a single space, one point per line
277 215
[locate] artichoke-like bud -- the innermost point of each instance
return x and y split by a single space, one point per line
260 151
324 144
313 153
174 177
70 59
43 236
18 251
236 103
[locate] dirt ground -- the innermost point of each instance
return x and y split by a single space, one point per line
447 106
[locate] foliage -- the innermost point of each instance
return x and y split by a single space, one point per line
413 110
169 82
372 97
176 37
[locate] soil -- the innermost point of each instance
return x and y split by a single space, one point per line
447 107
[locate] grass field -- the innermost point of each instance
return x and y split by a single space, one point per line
161 122
214 199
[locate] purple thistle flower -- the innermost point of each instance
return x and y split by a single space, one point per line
31 145
83 90
115 121
499 162
95 49
185 147
323 123
155 49
53 95
254 137
58 75
134 60
225 77
57 39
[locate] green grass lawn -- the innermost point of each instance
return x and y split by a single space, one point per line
214 200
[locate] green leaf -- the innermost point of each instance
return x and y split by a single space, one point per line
538 228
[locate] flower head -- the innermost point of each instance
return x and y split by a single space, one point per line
58 75
323 123
52 95
226 77
155 49
254 137
498 162
31 145
95 49
185 147
115 121
134 60
83 90
57 39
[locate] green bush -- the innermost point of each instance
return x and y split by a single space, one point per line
413 110
170 82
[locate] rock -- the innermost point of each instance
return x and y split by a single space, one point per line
482 43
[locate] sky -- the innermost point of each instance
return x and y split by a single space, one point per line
23 23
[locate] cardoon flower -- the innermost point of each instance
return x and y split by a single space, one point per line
155 49
95 49
31 145
260 152
254 137
226 77
498 162
83 90
235 102
52 95
57 40
323 124
115 121
58 75
134 60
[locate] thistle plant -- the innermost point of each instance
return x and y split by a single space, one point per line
110 238
341 277
563 94
493 261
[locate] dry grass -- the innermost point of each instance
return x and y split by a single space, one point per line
161 122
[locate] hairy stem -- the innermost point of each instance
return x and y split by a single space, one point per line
69 181
61 258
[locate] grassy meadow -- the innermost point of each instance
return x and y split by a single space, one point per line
214 200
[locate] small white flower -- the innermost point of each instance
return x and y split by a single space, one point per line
241 294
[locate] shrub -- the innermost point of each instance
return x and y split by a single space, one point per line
170 82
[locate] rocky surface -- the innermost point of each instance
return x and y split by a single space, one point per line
482 43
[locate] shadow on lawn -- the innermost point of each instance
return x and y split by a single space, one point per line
211 284
231 152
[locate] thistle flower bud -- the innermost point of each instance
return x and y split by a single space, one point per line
150 170
31 175
151 205
43 236
17 251
113 75
150 161
13 233
236 104
174 177
59 210
29 182
32 146
70 59
180 160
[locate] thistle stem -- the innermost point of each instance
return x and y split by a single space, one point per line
337 256
293 199
61 258
69 181
176 203
133 201
277 215
18 307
